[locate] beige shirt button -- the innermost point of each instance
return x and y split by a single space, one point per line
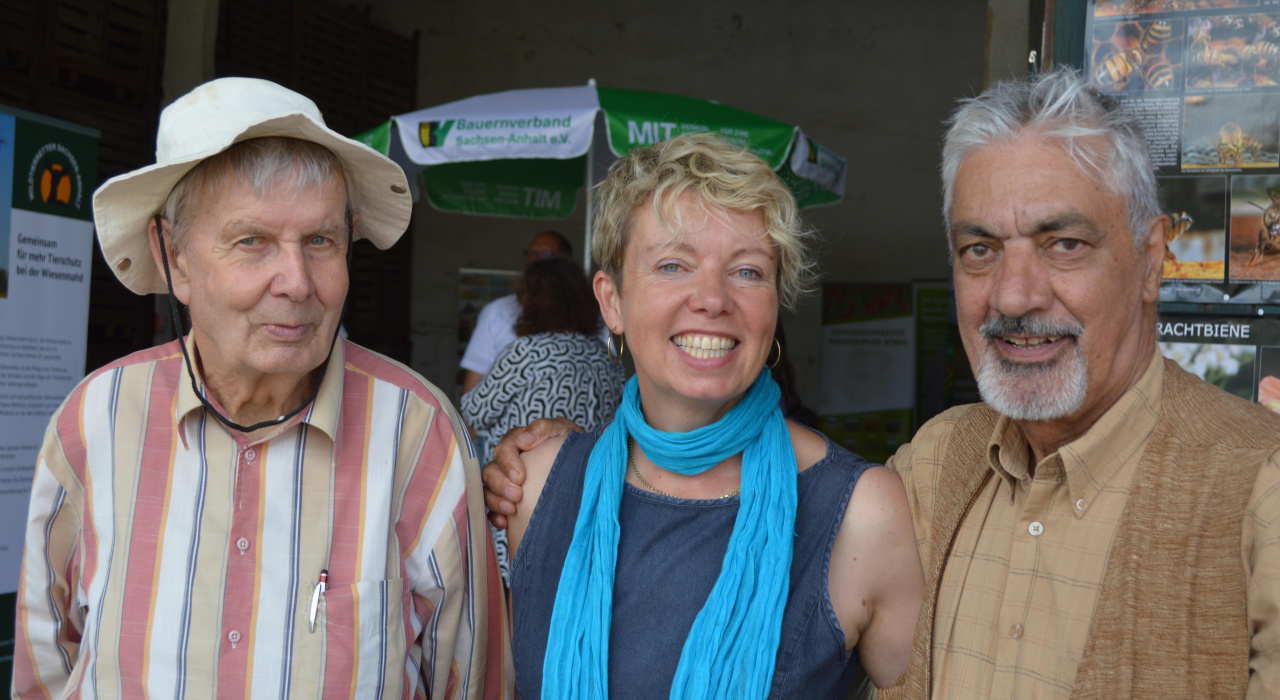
1081 505
234 637
1016 632
250 455
1036 529
242 544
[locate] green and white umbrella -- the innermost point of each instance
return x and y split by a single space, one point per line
526 153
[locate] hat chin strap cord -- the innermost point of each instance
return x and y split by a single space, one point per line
195 386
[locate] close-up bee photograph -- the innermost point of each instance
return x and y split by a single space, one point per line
1230 131
1138 56
1196 244
1112 8
1233 51
1255 228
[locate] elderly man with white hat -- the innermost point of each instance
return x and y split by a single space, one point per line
259 508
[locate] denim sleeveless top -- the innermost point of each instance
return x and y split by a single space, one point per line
669 556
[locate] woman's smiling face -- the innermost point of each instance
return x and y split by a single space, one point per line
698 309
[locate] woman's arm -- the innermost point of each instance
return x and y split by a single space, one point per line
537 464
876 581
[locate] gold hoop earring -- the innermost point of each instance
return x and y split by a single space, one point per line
622 346
779 358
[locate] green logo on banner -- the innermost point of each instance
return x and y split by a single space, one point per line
434 133
55 170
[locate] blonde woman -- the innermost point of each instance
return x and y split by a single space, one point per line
700 545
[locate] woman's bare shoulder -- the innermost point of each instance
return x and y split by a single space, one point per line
879 504
810 447
875 580
537 464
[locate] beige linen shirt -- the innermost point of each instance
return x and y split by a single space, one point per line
1019 589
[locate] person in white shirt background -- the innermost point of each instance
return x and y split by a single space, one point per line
496 324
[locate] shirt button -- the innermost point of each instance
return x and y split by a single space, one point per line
234 637
1080 505
1016 632
250 455
1036 529
242 544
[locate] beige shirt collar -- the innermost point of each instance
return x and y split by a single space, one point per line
1089 462
323 415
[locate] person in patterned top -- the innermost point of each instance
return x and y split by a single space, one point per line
556 366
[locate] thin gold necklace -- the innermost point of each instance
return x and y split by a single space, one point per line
631 457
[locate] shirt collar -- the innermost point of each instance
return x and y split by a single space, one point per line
324 414
1090 461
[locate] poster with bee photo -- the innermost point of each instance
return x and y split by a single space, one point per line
1138 56
1255 228
1234 354
1225 132
1228 367
1112 8
1202 76
1233 51
1196 245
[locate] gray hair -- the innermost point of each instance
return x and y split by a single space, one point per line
1060 106
263 164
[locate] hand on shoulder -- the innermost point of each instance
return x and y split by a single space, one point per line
503 477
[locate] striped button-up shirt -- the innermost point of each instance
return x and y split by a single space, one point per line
167 556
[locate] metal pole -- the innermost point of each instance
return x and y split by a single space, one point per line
590 175
586 243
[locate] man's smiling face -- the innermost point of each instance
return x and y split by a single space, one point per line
1054 297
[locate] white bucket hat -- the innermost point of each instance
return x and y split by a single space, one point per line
209 120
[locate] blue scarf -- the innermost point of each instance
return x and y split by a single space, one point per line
731 649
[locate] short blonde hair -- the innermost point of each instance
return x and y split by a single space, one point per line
717 173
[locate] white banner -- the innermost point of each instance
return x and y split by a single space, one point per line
42 348
868 365
544 123
813 161
46 253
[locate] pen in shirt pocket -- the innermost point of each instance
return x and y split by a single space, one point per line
315 596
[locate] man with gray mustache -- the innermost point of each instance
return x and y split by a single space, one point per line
1104 524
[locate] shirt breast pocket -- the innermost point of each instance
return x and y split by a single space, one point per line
365 642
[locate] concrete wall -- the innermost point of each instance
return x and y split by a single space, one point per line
189 48
1007 34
